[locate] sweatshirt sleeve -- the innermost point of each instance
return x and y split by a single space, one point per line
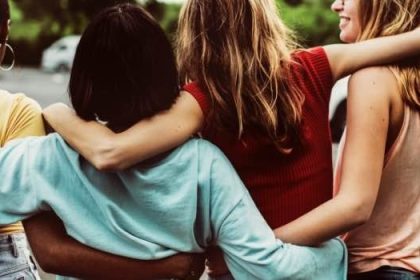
18 198
250 248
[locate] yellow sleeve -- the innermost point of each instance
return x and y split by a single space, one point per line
20 117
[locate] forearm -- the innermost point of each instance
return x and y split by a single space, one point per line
107 150
327 221
347 59
63 255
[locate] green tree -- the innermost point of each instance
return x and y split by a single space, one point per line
313 21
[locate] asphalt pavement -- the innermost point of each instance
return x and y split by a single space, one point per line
46 88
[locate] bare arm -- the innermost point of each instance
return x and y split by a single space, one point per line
60 254
107 150
363 158
348 58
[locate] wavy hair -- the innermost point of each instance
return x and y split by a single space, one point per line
389 17
239 53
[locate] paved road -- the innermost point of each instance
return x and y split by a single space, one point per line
46 88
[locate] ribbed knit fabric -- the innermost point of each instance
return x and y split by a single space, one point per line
285 186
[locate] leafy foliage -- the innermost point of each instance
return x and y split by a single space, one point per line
312 20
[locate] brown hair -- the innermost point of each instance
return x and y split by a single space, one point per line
239 53
389 17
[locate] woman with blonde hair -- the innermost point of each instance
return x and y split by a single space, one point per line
378 178
252 93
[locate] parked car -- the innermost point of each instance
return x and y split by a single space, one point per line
338 109
59 56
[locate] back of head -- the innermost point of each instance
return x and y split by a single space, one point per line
124 69
390 17
239 52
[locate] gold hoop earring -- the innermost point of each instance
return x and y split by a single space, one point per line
10 67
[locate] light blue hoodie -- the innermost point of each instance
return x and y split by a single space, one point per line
185 202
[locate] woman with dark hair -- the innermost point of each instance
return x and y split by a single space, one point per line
21 117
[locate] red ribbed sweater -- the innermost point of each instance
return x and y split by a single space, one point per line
286 186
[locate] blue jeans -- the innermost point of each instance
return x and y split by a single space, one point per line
15 261
386 273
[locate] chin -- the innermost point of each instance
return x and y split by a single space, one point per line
347 38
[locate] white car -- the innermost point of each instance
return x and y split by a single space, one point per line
338 109
59 56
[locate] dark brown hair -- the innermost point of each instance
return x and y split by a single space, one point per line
124 68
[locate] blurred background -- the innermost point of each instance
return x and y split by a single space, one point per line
37 24
44 35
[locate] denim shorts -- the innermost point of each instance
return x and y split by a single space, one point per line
386 273
15 260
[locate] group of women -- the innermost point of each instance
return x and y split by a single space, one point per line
248 88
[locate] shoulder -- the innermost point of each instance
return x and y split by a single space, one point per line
38 144
207 153
312 59
373 81
312 54
374 74
20 117
312 68
21 108
195 91
371 95
203 148
208 147
20 102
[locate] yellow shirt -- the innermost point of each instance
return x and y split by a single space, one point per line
19 117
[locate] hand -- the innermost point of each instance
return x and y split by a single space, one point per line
190 266
216 263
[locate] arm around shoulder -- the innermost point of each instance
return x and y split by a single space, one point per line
346 59
107 150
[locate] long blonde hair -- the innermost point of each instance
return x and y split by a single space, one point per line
389 17
239 53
